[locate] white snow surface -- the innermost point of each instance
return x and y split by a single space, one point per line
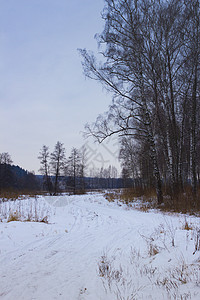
95 249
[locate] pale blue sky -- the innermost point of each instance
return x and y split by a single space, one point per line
44 96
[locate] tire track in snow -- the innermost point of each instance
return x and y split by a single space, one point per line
60 264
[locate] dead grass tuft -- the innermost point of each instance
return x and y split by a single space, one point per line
153 250
44 220
14 216
187 226
111 197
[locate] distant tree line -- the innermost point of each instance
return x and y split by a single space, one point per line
105 178
14 178
71 174
60 172
96 183
151 65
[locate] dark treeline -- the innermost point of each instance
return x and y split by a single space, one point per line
151 65
14 178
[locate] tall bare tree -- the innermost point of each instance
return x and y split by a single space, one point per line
124 74
74 169
44 157
193 51
57 162
150 52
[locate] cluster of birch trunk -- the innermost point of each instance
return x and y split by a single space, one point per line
149 60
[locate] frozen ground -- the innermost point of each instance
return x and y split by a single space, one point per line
95 249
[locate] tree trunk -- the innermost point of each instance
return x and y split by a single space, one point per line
173 132
194 140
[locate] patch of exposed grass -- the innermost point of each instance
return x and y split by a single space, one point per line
14 216
12 195
24 210
131 279
44 220
187 226
137 198
111 196
182 202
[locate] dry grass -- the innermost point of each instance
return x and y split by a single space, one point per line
21 210
153 250
182 202
144 208
116 281
111 196
44 220
131 194
187 226
14 216
142 200
15 194
131 279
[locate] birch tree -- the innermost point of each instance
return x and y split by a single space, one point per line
150 64
124 74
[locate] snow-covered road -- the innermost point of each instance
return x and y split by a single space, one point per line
95 249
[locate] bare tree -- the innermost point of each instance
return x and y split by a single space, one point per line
83 167
124 73
57 162
74 169
5 158
44 157
128 156
150 53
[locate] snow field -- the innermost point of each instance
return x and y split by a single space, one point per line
94 249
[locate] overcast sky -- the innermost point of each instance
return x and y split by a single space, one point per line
44 96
